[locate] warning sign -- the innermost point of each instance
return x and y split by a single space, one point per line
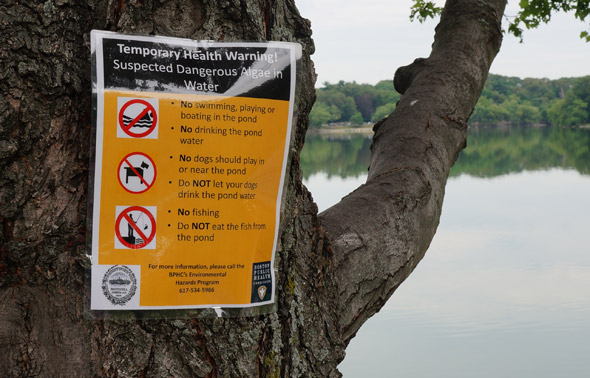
191 149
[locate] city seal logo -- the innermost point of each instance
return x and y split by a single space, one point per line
119 284
261 292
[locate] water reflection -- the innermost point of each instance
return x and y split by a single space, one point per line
490 152
504 290
336 155
493 152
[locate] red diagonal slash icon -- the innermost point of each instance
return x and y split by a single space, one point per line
135 115
137 172
135 237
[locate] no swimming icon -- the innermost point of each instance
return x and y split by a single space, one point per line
137 118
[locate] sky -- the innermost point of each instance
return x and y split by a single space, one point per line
366 41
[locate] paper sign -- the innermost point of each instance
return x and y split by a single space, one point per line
191 149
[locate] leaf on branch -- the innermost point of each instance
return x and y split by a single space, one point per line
423 10
535 12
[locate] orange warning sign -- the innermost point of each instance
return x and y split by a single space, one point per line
201 229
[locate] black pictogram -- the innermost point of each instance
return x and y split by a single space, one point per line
137 172
119 285
137 118
135 227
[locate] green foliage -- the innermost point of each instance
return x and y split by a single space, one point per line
535 12
334 97
423 10
570 111
356 119
563 102
351 102
504 100
382 112
320 114
532 13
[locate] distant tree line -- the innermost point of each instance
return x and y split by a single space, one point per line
504 100
353 103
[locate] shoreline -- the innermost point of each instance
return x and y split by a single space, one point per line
367 129
364 129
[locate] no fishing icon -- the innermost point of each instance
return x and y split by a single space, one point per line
135 227
137 118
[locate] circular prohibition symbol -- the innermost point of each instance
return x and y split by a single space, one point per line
131 220
136 172
137 114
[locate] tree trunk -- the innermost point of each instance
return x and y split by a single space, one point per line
324 293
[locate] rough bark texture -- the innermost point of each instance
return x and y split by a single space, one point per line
379 232
412 153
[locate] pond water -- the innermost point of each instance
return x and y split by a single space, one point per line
504 289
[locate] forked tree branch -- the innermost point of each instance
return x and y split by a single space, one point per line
381 231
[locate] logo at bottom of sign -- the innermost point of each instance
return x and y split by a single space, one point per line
119 284
261 282
262 292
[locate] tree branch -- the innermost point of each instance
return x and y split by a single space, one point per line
381 231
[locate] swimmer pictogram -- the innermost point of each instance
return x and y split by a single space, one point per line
137 118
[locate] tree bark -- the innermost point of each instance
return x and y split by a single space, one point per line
382 230
326 287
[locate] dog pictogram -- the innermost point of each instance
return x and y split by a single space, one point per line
137 172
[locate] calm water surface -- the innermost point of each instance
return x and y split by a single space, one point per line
504 290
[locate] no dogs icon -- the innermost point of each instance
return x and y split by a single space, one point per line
135 227
137 172
137 118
